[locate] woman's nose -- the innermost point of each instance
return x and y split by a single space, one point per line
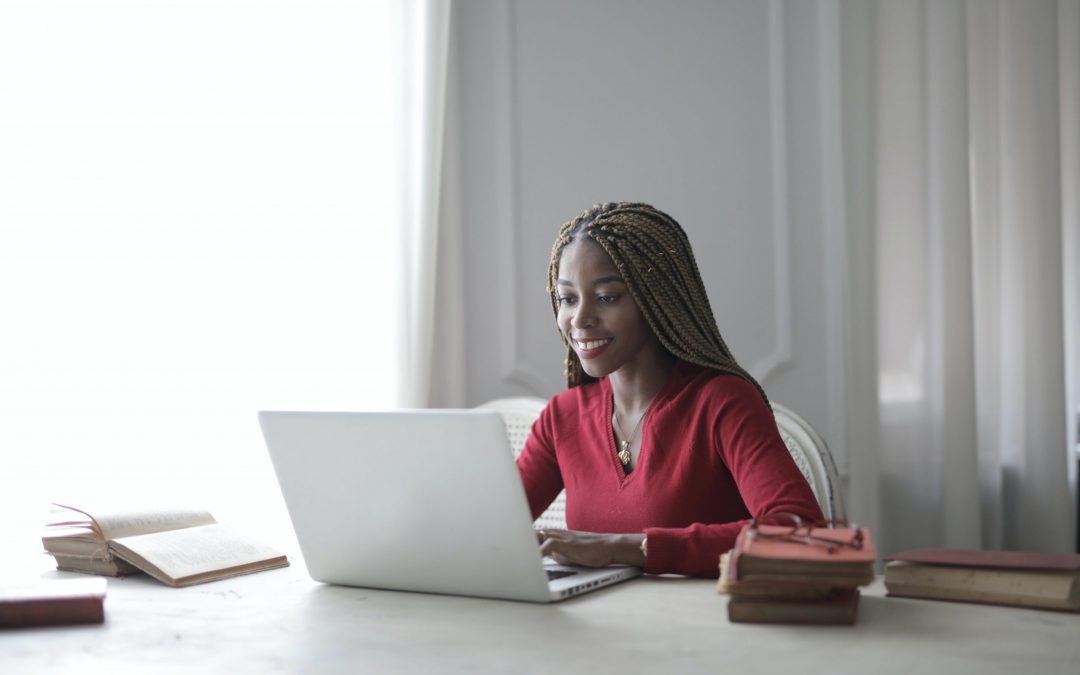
584 316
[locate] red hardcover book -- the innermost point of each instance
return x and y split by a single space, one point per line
836 557
52 603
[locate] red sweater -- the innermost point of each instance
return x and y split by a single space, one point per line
711 458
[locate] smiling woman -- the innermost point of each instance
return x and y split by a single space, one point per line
644 355
196 199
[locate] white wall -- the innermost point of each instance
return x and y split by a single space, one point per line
711 111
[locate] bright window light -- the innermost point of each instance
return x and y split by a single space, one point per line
197 221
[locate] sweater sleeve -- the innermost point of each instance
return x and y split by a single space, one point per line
745 435
539 466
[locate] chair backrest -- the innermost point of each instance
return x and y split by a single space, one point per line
518 415
807 448
813 458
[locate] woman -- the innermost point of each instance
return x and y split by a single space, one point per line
664 444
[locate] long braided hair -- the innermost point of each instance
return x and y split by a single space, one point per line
654 258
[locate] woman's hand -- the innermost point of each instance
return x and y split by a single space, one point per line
591 549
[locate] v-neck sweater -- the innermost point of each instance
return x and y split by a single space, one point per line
711 458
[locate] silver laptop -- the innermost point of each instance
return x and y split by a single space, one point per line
423 500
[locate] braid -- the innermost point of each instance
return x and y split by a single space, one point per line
654 257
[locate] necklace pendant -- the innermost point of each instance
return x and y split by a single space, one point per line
624 454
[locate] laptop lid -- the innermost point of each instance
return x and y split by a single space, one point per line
423 500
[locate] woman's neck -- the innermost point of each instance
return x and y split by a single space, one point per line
634 386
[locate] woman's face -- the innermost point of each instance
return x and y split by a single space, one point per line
598 315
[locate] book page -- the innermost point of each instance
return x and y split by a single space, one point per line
75 541
66 517
177 554
113 523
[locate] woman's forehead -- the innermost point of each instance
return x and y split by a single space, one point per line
585 256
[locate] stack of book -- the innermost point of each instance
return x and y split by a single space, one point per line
1015 578
178 547
804 575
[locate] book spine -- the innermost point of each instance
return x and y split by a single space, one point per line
52 612
978 581
982 598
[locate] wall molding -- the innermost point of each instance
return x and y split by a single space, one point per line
834 220
768 366
513 367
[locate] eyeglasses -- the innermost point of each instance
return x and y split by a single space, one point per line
786 526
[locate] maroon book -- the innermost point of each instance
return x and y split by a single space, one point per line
1016 560
52 603
839 608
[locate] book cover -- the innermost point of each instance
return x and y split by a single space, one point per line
828 556
1012 578
1030 560
52 603
839 608
808 544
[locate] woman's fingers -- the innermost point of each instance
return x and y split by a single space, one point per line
555 551
591 549
573 548
555 548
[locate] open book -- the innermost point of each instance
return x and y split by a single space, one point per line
178 547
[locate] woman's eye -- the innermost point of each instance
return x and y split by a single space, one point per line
566 300
607 299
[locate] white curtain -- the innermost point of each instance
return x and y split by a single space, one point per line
973 153
426 54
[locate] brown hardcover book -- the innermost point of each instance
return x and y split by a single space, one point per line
1014 578
757 588
52 603
178 547
838 608
764 557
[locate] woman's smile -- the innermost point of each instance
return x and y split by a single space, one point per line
590 348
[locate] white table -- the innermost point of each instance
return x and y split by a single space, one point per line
282 622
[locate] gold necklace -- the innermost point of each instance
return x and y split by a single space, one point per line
624 446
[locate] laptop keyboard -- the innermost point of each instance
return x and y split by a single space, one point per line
559 574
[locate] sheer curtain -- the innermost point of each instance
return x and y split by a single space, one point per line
201 210
427 24
973 136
